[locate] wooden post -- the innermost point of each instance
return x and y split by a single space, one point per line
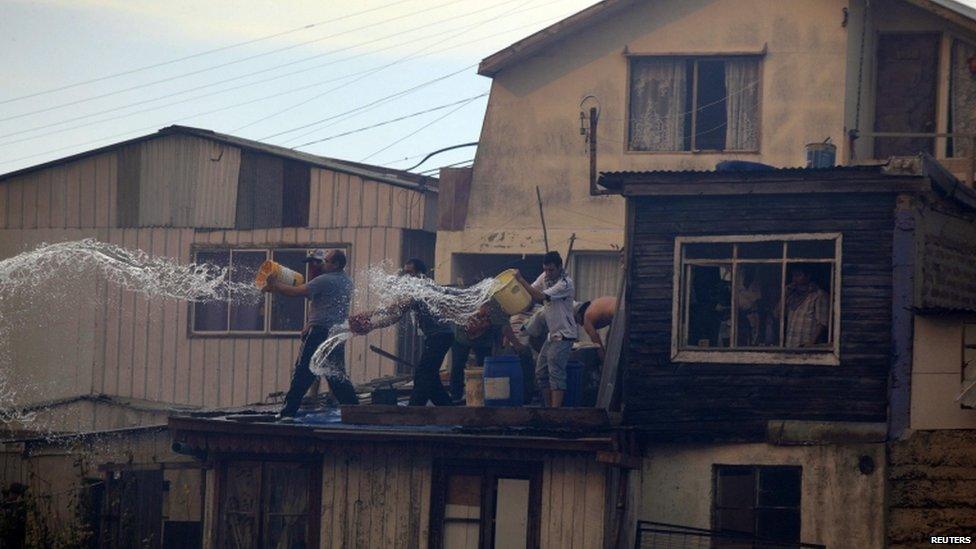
545 233
592 140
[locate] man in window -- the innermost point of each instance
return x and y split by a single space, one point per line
555 291
807 310
438 338
329 289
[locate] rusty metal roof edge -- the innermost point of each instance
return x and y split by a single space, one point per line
396 178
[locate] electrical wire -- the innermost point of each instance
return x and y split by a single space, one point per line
206 69
422 128
456 164
200 54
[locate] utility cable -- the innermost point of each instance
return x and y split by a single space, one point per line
205 69
420 129
200 54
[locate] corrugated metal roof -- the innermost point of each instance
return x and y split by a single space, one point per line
391 176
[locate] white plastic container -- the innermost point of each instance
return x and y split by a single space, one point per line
271 270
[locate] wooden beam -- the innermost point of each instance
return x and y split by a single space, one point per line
580 418
619 459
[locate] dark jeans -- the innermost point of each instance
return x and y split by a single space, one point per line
426 377
303 377
459 358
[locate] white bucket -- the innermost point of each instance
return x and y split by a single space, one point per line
271 270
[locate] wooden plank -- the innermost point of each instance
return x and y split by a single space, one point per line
270 366
4 204
128 322
425 467
388 492
103 189
254 353
370 215
329 498
578 500
197 371
101 323
29 198
155 336
168 344
15 204
364 519
402 506
87 189
181 377
226 386
350 536
581 418
355 201
113 327
342 217
211 373
72 217
558 536
141 330
595 504
43 213
314 193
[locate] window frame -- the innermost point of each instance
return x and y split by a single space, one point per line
760 57
490 472
777 355
755 506
313 515
964 386
269 250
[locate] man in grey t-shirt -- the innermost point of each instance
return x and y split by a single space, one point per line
330 290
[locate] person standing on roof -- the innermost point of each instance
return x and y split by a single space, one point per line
438 338
555 291
594 316
329 289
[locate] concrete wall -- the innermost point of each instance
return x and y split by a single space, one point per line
937 376
531 133
840 506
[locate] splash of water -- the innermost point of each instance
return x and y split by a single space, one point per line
393 291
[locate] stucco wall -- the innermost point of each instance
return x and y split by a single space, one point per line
937 376
840 506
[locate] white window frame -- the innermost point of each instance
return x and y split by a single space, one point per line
269 253
822 356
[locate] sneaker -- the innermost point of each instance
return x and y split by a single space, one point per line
285 417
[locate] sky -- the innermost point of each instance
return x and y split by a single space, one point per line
299 74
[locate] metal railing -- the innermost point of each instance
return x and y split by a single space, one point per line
659 535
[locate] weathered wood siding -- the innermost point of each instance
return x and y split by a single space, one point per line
945 277
931 487
735 400
380 496
344 200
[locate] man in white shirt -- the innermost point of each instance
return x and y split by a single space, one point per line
555 291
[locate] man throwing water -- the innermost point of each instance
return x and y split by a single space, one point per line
329 289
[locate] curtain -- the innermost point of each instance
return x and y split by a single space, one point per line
596 275
658 89
742 87
963 101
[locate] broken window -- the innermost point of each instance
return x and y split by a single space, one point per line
759 501
757 293
266 504
272 314
694 104
486 506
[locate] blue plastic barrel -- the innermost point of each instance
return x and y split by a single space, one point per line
503 381
574 384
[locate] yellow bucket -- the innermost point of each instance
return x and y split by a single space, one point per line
510 294
474 386
271 270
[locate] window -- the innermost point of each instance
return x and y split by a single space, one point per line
694 104
267 504
968 397
760 501
271 314
748 298
132 510
596 274
271 192
486 506
962 96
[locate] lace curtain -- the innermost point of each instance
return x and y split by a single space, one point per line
742 87
658 89
963 100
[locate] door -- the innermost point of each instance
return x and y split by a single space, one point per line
907 79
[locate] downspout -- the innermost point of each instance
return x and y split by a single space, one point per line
591 140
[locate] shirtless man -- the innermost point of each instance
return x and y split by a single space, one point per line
596 315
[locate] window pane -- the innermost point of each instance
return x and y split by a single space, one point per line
240 504
708 250
659 90
710 305
244 267
778 524
811 249
808 304
736 487
710 121
779 487
462 512
512 513
761 250
288 313
756 299
596 275
211 316
287 488
742 104
286 531
735 520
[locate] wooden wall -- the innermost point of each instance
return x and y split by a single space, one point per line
734 401
945 274
931 487
379 496
85 336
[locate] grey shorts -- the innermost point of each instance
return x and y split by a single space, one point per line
550 370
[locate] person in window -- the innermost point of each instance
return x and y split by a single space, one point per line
438 338
807 310
555 291
329 289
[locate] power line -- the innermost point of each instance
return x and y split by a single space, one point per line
439 168
420 129
391 121
199 54
209 94
199 71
